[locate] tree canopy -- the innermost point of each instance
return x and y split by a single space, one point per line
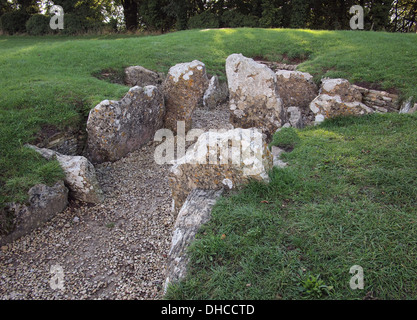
164 15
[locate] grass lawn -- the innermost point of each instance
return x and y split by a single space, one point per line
348 198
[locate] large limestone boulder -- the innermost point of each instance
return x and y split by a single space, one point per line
142 77
254 100
116 128
338 98
222 159
44 202
80 175
296 89
184 88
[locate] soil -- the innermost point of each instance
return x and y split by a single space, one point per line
111 75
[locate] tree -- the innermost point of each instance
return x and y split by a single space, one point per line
379 14
272 14
91 9
180 10
5 7
13 16
405 15
28 6
130 9
299 13
153 16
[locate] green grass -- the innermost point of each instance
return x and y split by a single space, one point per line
349 197
49 80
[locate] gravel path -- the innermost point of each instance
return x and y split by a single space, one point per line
116 250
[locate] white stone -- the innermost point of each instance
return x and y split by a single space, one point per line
407 106
80 175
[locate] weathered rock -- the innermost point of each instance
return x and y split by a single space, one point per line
216 94
380 101
69 141
184 88
142 77
284 66
219 159
253 95
296 88
44 202
116 128
338 98
276 153
195 212
341 88
80 175
295 117
407 107
325 106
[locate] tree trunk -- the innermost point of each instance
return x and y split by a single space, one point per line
130 9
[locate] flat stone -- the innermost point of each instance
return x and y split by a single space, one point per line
342 88
325 106
195 212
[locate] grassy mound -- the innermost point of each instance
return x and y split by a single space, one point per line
349 197
54 81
